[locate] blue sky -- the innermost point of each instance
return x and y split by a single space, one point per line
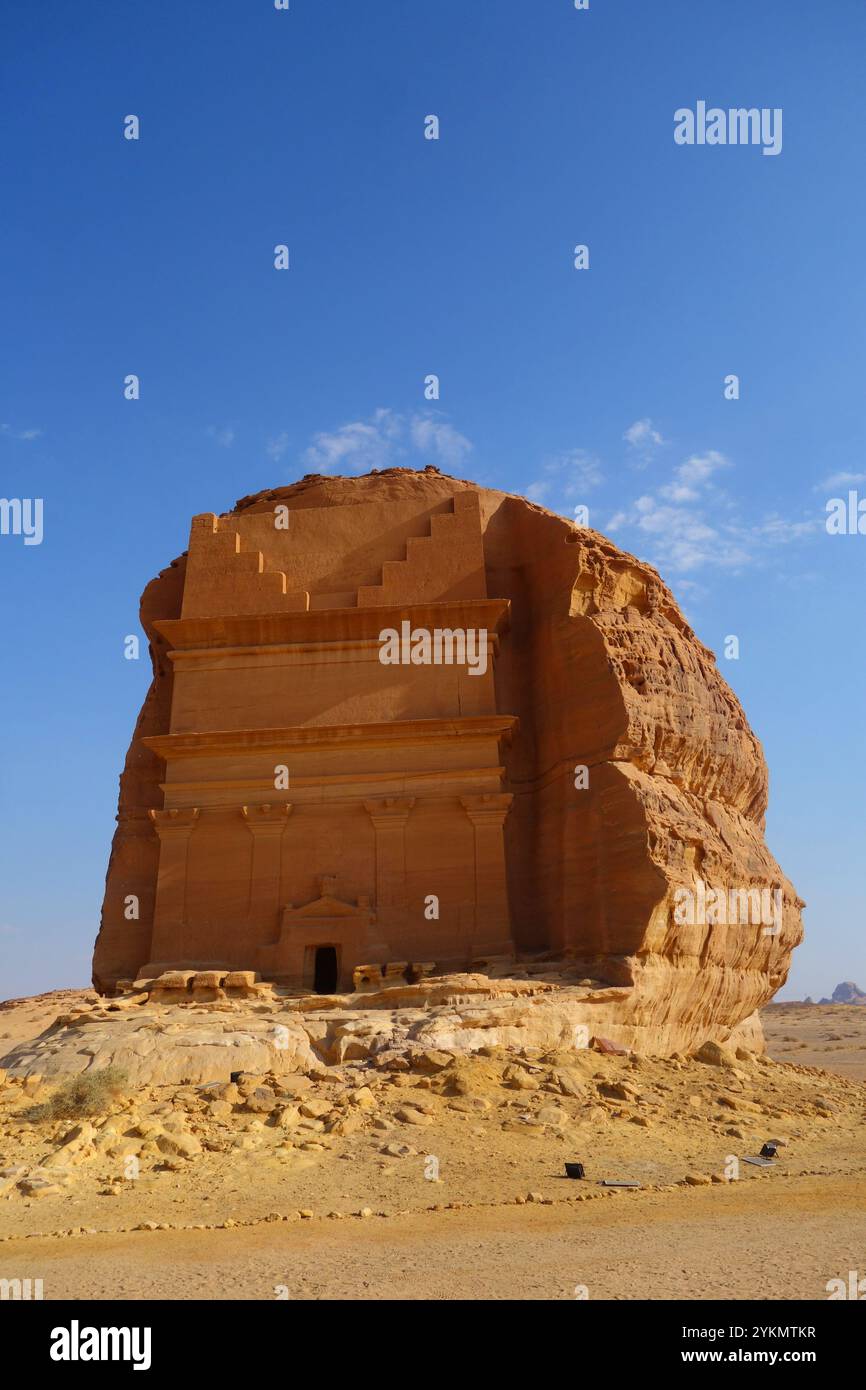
411 256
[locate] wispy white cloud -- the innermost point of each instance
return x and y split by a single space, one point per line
436 437
690 588
689 523
566 478
224 436
277 446
839 480
682 539
780 530
385 439
26 435
644 441
643 435
691 476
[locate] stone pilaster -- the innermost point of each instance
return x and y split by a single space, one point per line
174 828
389 817
266 825
487 812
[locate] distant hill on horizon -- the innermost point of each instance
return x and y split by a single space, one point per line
845 993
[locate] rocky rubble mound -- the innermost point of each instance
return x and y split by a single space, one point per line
501 1121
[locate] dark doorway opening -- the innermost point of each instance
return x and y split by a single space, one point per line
325 972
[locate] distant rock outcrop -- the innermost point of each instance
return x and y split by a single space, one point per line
846 993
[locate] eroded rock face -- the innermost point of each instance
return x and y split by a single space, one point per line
406 781
155 1041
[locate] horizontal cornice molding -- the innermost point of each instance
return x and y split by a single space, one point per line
400 732
322 626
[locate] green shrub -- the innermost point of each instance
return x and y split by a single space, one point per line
88 1094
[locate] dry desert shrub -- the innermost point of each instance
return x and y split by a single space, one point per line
80 1096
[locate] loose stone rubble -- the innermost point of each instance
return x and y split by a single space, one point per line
425 1125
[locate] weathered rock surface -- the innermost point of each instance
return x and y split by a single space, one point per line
595 668
420 1027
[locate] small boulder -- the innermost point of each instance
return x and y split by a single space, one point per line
178 1144
552 1115
314 1108
261 1101
294 1086
618 1090
408 1115
430 1060
348 1124
712 1054
519 1080
40 1187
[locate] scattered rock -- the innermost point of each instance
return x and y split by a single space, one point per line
315 1109
618 1090
181 1144
40 1187
348 1124
261 1100
407 1115
552 1115
519 1080
714 1055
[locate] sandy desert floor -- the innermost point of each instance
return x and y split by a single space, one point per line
331 1192
832 1036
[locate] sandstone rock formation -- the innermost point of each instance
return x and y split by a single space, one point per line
846 993
575 786
166 1034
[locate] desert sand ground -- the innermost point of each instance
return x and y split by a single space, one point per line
280 1203
832 1036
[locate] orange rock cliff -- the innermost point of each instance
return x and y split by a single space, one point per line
295 804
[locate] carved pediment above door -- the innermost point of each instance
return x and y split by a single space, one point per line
327 905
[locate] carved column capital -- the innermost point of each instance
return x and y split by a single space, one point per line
487 808
269 818
176 820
